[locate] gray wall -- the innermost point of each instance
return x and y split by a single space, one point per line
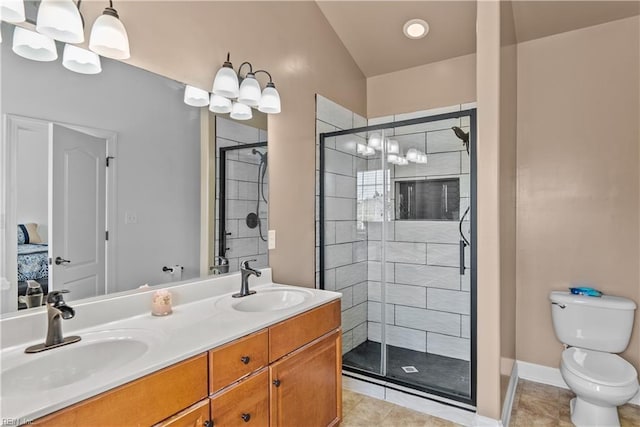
158 159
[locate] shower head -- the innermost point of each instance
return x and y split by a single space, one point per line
464 136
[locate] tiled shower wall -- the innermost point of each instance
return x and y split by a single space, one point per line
428 301
345 246
244 243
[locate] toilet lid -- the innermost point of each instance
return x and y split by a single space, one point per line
603 368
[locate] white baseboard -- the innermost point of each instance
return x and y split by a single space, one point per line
511 393
550 376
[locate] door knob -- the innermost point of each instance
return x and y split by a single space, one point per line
60 260
276 383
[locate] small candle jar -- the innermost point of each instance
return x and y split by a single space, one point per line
161 305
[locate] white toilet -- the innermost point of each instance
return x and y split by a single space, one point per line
594 329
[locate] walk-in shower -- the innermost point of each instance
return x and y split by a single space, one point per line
397 238
242 204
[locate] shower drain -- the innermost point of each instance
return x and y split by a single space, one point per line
409 369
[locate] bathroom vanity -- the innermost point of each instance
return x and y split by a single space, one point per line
244 362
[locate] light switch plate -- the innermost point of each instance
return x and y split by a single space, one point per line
272 239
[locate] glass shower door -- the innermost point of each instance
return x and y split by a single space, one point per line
401 242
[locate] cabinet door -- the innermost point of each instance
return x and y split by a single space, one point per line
194 416
243 404
306 386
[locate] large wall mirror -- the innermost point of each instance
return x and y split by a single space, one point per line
104 185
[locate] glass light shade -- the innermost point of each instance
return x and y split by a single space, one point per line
226 83
12 11
392 158
195 97
393 147
270 100
109 37
80 60
365 150
32 45
240 111
250 92
219 104
60 20
375 141
412 154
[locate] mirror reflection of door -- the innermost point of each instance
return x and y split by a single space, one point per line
60 209
78 210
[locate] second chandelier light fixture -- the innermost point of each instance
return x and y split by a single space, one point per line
61 20
236 94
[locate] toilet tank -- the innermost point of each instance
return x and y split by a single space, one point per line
595 323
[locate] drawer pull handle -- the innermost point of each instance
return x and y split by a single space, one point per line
245 359
246 417
208 423
276 383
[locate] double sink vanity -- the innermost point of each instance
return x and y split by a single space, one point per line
272 358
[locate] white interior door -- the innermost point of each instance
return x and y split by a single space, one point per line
78 211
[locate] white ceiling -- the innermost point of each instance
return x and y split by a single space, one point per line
372 30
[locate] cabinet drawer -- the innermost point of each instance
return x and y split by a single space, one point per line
292 334
235 360
195 416
244 404
145 401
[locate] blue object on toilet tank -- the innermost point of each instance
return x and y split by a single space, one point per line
583 290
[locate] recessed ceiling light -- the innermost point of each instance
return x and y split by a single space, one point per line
416 28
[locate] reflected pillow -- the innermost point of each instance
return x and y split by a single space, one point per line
28 233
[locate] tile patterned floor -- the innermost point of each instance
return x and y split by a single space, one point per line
542 405
363 411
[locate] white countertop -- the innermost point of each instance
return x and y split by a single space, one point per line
201 320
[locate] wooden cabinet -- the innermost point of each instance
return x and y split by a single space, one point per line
243 404
306 385
194 416
293 333
237 359
286 375
142 402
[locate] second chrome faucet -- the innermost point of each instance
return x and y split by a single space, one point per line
245 272
57 310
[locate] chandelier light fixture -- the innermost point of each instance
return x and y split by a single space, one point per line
196 97
60 20
237 94
34 46
80 60
12 11
108 36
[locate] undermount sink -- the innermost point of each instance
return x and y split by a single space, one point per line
97 353
271 300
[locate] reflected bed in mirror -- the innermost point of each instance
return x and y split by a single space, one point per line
104 173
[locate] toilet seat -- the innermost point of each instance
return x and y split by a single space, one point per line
598 367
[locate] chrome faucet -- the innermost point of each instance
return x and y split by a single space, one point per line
245 272
57 310
221 265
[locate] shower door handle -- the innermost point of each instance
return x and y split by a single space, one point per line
462 245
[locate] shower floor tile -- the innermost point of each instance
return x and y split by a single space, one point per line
434 371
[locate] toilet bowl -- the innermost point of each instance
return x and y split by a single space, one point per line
594 329
601 382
